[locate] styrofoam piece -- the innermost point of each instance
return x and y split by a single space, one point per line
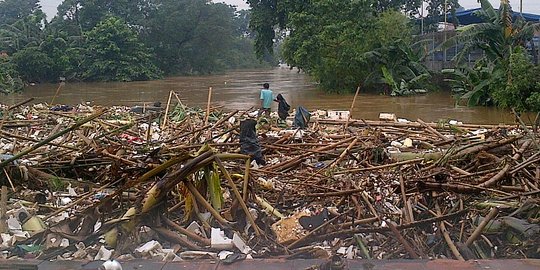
388 117
103 254
219 241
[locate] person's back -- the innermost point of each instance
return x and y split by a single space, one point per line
267 97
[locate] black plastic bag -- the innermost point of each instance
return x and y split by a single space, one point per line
301 118
283 107
249 143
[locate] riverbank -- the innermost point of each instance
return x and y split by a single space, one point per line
91 183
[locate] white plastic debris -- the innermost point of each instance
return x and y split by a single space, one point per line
219 241
338 115
64 243
13 224
111 265
240 244
387 117
7 240
222 255
103 254
396 144
149 247
407 143
71 191
403 120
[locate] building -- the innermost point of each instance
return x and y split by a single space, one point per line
439 58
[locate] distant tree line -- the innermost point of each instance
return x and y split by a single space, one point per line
122 40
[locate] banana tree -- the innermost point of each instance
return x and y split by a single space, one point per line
497 35
399 67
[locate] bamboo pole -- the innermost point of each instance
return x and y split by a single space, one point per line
447 237
351 109
492 213
166 116
208 106
238 196
57 92
3 210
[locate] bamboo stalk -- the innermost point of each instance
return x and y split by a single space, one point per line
417 160
57 92
173 237
447 237
496 178
492 213
14 106
351 109
166 116
238 196
335 194
404 198
208 106
188 233
200 199
9 180
402 240
3 210
246 180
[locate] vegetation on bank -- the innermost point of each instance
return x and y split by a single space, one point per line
343 44
100 40
507 75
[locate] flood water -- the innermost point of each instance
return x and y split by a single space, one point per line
240 90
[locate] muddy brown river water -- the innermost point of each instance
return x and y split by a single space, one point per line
240 90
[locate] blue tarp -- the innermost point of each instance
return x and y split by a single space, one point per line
467 17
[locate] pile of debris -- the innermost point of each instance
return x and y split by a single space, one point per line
178 183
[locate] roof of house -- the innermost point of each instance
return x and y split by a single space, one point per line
468 16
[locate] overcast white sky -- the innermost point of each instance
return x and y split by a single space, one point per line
529 6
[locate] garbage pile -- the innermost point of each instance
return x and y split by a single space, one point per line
178 183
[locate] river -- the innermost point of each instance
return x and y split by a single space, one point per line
240 90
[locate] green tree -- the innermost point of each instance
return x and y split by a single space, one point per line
9 77
14 10
77 16
189 36
327 39
436 10
27 31
113 52
33 64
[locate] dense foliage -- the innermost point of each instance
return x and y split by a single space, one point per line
102 40
344 43
9 78
506 76
114 53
